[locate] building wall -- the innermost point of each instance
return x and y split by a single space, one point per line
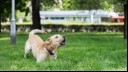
70 19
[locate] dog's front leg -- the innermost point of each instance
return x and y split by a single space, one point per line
53 57
55 54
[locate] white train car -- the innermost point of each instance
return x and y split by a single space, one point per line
92 16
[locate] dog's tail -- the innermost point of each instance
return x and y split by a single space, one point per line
36 31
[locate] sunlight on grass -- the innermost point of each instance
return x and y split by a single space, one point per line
119 69
13 67
5 38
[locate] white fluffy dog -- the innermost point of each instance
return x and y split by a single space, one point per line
43 50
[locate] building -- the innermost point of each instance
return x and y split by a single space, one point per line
92 16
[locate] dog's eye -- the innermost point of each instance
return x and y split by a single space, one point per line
56 37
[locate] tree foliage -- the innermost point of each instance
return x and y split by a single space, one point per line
85 4
5 7
47 4
116 5
76 4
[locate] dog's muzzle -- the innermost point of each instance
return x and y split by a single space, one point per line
63 42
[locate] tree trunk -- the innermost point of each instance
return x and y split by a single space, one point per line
0 22
35 15
125 21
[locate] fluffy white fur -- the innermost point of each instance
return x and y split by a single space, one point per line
43 50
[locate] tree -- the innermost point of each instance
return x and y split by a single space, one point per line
123 5
85 4
0 21
5 8
47 4
35 14
21 5
36 6
105 5
125 21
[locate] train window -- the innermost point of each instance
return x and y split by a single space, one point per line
46 18
61 18
52 18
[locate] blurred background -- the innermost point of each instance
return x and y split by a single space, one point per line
49 14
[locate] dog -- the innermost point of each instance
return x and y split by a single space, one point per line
43 50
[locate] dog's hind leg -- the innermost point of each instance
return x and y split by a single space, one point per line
27 48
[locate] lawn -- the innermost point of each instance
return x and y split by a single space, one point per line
83 51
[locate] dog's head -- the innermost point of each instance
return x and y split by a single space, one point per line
56 40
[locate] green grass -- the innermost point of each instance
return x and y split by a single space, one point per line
83 51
